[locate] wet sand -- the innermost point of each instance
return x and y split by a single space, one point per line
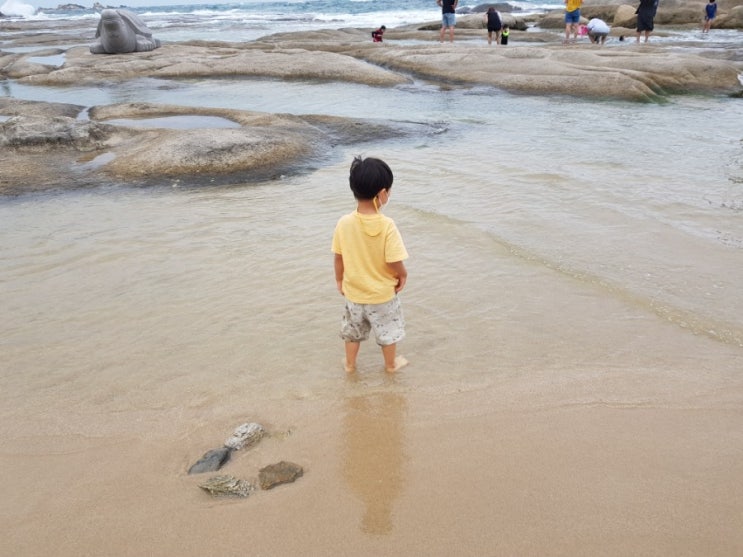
384 476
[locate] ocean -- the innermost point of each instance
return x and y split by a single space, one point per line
564 254
253 19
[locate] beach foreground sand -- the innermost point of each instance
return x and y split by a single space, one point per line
385 476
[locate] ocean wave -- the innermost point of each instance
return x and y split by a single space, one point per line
347 12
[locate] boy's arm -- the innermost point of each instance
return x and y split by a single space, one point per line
398 267
338 265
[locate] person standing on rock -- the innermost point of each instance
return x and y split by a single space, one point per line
710 12
369 268
572 19
645 16
494 24
448 17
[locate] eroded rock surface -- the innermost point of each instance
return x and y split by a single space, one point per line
263 146
267 146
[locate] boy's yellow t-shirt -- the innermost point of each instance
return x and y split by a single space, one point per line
367 243
572 5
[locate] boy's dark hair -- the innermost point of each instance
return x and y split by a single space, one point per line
368 176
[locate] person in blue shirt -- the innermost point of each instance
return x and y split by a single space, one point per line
710 12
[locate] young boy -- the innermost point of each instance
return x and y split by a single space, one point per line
369 269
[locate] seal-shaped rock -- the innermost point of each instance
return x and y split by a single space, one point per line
279 473
122 31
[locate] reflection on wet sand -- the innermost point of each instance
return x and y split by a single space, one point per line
374 455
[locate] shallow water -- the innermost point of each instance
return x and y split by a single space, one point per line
56 60
524 217
176 122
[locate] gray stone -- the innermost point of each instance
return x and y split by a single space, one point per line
227 486
280 473
499 6
56 131
211 461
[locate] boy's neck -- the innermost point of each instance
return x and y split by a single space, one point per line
367 207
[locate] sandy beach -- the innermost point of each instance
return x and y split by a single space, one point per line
576 398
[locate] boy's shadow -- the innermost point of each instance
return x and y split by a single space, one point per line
373 463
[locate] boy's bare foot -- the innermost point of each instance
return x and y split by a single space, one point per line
400 362
348 368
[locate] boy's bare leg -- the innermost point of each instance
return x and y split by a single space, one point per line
352 351
392 363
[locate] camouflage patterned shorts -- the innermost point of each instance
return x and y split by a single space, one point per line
386 319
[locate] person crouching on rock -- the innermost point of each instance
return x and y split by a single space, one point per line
377 35
598 30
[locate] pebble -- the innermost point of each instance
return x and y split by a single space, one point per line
211 461
227 486
280 473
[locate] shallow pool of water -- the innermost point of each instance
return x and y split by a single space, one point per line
185 122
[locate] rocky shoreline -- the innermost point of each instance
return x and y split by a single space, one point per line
268 145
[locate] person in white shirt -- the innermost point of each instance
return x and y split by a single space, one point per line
598 30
